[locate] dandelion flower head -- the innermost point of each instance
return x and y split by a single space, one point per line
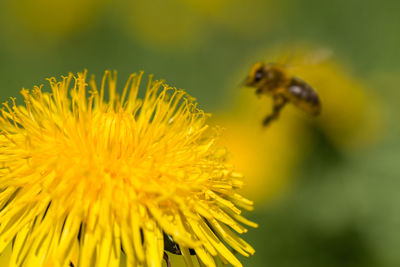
89 176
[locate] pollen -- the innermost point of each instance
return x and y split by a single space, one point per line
93 177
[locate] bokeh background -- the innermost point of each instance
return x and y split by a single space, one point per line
326 189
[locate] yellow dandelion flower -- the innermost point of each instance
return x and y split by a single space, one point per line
90 182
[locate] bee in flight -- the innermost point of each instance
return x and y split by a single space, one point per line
274 80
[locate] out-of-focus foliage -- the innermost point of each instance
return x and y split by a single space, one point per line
52 20
336 176
187 24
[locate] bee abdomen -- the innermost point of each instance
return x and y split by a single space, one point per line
304 96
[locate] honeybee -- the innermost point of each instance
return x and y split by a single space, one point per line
274 80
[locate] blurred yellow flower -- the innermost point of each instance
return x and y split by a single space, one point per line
94 182
51 19
169 25
248 18
350 116
350 119
269 155
184 24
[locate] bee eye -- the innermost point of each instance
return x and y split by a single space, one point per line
259 75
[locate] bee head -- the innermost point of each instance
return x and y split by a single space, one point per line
259 75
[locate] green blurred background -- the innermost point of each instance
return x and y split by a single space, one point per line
339 203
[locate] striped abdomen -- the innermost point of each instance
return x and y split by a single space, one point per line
303 96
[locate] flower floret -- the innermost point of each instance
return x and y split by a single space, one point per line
89 176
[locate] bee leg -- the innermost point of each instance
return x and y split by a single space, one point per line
166 258
279 103
259 92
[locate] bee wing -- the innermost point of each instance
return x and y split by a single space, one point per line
305 58
297 58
